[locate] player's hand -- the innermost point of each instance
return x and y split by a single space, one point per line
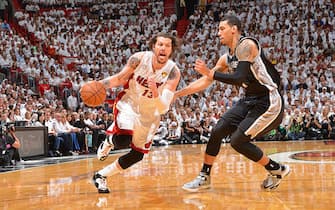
201 67
175 96
153 87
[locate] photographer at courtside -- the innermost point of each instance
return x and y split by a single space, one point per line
9 145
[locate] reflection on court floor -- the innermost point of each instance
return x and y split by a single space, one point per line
155 183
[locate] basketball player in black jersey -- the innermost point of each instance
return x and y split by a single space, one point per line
260 111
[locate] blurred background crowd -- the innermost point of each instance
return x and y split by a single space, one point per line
50 48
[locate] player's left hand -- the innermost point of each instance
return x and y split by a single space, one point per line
201 67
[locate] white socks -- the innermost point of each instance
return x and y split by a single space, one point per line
111 169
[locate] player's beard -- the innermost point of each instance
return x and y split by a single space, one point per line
159 60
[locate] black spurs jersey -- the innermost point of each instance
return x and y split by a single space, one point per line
262 77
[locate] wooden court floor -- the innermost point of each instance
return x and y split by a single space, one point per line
156 182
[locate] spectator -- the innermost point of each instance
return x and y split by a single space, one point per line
3 7
62 131
295 129
313 127
191 132
9 145
332 126
92 125
325 122
206 129
4 25
174 130
78 121
72 101
161 134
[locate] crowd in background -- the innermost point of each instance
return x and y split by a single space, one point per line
42 71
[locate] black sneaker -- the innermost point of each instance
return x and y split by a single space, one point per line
100 183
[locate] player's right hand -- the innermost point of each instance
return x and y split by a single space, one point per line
201 67
153 87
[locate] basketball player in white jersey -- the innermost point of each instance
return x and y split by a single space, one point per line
149 80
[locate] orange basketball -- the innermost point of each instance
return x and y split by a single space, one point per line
93 93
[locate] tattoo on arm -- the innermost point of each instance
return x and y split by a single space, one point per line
173 74
133 62
244 51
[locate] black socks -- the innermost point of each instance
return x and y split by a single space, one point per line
272 165
206 169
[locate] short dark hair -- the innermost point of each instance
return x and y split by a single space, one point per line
232 20
175 43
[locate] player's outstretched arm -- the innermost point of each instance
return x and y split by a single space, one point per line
122 77
173 80
203 82
246 53
164 99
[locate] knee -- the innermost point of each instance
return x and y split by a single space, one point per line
215 133
234 143
220 131
130 159
237 139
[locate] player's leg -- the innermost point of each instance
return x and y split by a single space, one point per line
118 134
113 141
140 144
120 164
260 120
225 126
241 143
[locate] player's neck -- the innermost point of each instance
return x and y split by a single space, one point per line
157 65
234 44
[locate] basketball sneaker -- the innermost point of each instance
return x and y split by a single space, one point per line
100 183
275 176
201 182
104 149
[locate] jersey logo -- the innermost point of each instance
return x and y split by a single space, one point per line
233 64
144 81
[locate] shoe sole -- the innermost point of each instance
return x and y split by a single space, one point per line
196 189
102 158
103 191
275 186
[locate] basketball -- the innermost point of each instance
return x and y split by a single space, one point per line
93 93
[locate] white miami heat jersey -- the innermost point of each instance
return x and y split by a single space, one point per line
137 97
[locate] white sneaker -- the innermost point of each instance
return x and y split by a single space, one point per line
104 149
100 183
201 182
274 178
